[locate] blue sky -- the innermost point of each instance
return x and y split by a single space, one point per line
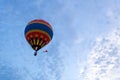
80 27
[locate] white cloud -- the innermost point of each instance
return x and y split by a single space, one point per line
112 14
104 58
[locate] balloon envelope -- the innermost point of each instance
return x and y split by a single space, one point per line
38 33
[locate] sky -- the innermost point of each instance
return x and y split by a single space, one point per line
85 44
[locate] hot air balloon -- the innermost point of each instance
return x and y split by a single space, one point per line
38 33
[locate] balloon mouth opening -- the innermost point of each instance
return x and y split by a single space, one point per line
36 48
